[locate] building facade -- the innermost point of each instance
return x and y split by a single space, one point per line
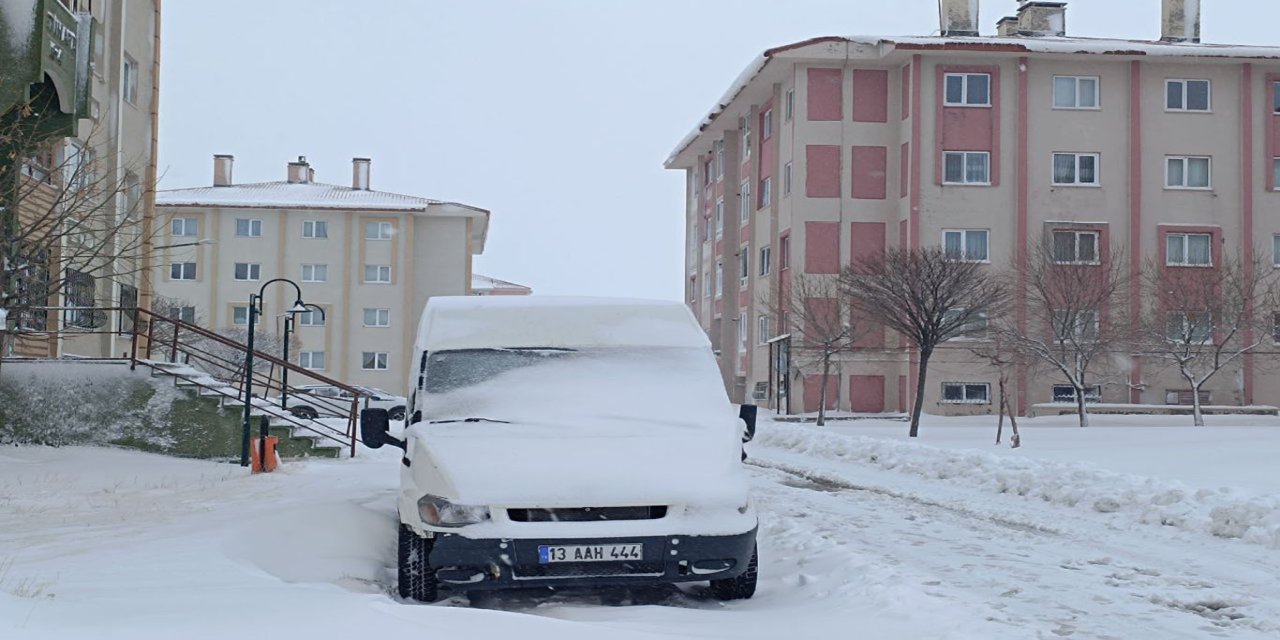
835 148
369 259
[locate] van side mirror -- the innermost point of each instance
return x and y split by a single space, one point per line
374 425
747 413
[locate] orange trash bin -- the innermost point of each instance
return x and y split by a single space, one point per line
255 454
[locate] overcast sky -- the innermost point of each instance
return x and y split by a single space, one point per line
554 114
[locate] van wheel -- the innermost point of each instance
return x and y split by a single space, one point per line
416 578
739 588
306 413
396 413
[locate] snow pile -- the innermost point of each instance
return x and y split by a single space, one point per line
1224 512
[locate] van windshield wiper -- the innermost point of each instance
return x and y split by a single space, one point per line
453 420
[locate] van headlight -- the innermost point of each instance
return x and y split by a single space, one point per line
437 511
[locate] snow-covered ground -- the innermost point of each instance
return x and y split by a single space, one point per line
862 535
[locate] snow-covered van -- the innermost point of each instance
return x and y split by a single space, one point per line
568 442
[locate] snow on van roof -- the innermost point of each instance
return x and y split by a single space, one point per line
471 322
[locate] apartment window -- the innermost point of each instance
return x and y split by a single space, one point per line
1075 92
1275 97
1188 95
762 329
766 125
315 273
1190 328
130 80
79 289
968 90
183 314
310 319
1275 250
786 180
742 331
966 393
719 279
1075 247
377 231
1188 172
182 271
1075 169
719 218
789 103
744 124
744 203
1275 173
967 167
239 315
784 252
1080 326
1065 393
313 229
377 317
247 228
706 229
744 265
766 257
248 271
183 227
975 329
707 174
1189 250
1275 327
766 192
719 149
373 361
377 273
313 360
706 285
967 245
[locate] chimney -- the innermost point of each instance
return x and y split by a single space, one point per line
300 172
222 170
1180 21
360 174
1007 26
1042 18
958 17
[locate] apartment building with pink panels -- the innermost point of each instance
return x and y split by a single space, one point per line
837 147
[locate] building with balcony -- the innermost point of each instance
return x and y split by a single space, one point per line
834 148
369 259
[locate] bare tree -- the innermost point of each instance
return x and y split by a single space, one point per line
1002 356
1075 303
927 295
1201 320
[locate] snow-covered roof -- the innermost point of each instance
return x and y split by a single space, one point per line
305 195
993 44
480 282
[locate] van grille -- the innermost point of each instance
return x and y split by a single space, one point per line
586 570
587 514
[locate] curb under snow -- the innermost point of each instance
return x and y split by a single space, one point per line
1225 512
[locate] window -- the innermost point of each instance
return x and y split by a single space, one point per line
968 90
1275 173
742 331
183 228
786 179
1189 328
719 149
377 273
744 265
966 393
1275 250
766 192
239 315
762 329
313 229
1188 250
1184 396
966 167
1075 247
377 317
789 103
707 174
706 285
706 230
975 329
719 218
784 252
744 203
315 273
744 124
248 271
1075 169
377 231
246 228
766 125
130 80
310 319
766 256
79 295
1075 92
39 165
183 314
1275 97
1192 172
1275 327
313 360
1188 95
373 361
1065 393
1079 326
719 279
182 271
968 245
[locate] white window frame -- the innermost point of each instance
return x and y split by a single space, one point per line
975 333
744 202
718 147
965 388
706 284
1076 172
1185 83
786 179
1185 240
964 244
240 316
379 358
384 230
1076 84
184 227
789 105
762 329
744 266
1097 246
766 191
719 279
964 96
1185 334
1092 394
719 218
1082 330
1275 174
766 260
129 80
182 271
964 159
766 125
381 268
743 332
315 229
253 228
310 319
707 231
1186 163
307 360
318 273
381 318
252 271
1275 250
744 124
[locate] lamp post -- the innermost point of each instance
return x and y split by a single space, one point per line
288 328
255 302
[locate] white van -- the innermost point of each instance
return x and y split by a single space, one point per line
568 442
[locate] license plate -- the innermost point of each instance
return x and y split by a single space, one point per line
548 554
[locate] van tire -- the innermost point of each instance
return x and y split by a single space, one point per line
739 588
396 413
306 413
416 578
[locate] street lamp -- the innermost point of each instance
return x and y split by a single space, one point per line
288 328
187 244
255 304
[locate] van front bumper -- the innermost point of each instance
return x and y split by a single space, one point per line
470 564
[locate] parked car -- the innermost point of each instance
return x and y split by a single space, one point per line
313 401
568 442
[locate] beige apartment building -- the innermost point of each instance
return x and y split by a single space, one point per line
369 259
833 148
